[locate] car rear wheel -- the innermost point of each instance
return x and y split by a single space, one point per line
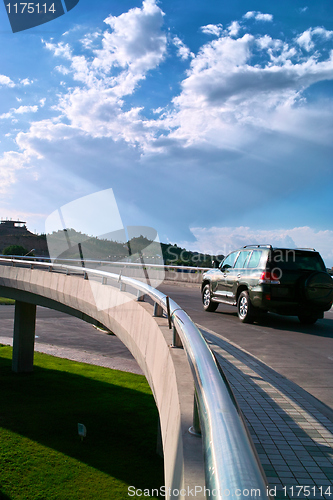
307 319
245 308
206 300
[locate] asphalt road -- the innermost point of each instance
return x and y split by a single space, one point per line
303 354
62 330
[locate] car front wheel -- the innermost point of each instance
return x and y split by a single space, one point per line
206 300
245 308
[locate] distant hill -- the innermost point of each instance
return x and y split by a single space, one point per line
105 249
16 233
65 245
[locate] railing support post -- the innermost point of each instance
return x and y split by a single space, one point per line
176 338
168 311
24 337
140 297
158 310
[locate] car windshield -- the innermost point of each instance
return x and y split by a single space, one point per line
288 259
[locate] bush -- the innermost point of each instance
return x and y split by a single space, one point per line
16 250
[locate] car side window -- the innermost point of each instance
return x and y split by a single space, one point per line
254 259
242 258
229 260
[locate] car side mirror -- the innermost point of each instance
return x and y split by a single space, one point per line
224 268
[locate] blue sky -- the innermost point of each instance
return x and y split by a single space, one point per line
211 121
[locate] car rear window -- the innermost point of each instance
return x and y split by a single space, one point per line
297 260
254 259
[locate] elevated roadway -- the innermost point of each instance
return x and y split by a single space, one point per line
231 463
281 374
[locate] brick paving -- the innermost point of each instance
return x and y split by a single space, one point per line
292 431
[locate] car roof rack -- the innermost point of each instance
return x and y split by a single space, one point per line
300 248
258 246
270 246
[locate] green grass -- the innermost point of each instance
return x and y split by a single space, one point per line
41 454
4 301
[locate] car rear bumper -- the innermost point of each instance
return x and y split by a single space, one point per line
261 297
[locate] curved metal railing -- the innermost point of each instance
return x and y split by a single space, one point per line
232 467
108 262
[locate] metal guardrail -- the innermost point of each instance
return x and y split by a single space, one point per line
232 467
108 262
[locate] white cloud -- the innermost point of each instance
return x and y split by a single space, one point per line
10 163
212 29
26 82
90 39
25 109
19 111
59 49
183 51
305 40
136 44
258 16
264 17
62 69
234 28
6 81
222 240
224 90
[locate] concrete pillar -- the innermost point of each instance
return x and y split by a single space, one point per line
24 337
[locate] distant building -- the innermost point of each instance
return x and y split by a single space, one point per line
15 232
10 226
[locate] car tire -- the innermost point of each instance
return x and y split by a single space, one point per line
307 319
208 305
245 308
318 289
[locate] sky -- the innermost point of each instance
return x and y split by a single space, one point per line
212 122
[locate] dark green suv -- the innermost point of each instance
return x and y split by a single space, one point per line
260 278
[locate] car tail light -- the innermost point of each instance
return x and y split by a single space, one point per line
269 277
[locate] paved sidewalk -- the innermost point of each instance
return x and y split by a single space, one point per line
292 430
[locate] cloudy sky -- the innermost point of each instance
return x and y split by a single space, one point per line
211 121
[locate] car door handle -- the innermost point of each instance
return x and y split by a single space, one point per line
239 275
